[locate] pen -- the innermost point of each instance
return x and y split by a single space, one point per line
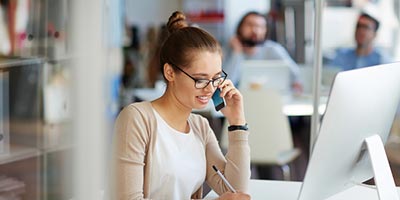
224 179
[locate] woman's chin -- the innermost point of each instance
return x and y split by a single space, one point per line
200 106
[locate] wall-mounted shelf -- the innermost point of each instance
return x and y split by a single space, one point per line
17 153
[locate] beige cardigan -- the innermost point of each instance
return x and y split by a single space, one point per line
135 136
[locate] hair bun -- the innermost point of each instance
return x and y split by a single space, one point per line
176 21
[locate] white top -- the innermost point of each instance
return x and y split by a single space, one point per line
179 167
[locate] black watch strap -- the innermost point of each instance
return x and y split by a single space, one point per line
238 127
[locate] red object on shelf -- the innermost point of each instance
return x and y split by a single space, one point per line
206 16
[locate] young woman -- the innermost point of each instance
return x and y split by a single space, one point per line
163 150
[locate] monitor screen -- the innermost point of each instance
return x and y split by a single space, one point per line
362 103
265 74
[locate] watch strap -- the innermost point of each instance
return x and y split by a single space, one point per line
238 127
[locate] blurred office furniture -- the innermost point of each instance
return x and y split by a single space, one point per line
32 146
11 188
206 14
327 76
270 141
266 74
20 81
297 30
34 97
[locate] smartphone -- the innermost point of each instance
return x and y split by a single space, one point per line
219 102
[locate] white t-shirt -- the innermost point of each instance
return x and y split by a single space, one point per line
179 163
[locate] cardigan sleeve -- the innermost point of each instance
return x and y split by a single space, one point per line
235 165
131 139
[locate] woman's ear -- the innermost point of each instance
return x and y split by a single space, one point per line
169 72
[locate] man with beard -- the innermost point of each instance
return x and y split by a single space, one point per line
250 43
365 54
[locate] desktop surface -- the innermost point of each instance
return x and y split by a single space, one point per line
289 190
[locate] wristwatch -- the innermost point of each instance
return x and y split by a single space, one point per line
238 127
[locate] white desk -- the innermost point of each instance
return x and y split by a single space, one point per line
288 190
293 105
302 105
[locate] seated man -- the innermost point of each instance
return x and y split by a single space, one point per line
250 43
365 54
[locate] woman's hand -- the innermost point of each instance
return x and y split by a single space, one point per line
233 109
234 196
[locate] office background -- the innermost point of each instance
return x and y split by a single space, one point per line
68 67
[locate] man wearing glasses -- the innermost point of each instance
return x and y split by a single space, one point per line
365 54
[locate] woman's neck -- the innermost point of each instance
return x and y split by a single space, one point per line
172 111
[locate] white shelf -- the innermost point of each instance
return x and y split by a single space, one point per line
17 153
56 137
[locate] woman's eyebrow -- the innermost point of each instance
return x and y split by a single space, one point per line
205 75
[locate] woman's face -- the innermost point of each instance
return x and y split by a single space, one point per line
205 65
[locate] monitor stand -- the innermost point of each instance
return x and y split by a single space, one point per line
380 165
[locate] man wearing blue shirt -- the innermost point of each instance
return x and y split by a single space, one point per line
365 54
250 43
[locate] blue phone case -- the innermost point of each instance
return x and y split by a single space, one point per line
218 101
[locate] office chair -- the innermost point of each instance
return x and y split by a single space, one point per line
270 136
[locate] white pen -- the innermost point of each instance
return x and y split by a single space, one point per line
224 179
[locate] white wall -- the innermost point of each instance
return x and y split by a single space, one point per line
145 13
338 26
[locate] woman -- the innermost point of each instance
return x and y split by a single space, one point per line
164 151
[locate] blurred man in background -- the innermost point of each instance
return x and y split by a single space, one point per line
365 54
251 43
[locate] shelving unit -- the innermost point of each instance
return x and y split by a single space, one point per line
20 93
208 14
17 153
36 148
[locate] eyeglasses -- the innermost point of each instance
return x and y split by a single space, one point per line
203 83
364 26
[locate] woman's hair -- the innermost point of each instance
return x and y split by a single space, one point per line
184 41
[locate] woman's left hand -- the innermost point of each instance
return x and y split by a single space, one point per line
233 109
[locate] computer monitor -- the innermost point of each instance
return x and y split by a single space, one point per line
362 103
265 74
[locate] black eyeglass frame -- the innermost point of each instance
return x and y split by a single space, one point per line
196 80
365 27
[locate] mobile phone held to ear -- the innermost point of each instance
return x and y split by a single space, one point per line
219 102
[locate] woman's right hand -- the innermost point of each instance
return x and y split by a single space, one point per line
234 196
